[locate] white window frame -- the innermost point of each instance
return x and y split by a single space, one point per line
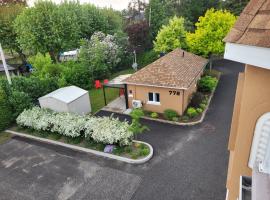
154 102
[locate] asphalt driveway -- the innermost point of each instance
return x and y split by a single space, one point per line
189 162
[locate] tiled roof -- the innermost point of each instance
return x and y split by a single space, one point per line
253 26
176 69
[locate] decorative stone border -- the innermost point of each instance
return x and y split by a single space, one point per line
97 153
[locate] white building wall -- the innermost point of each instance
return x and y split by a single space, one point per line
53 104
81 105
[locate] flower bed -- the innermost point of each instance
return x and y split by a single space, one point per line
85 131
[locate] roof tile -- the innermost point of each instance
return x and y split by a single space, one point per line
172 70
253 25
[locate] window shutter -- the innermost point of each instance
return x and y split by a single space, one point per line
260 150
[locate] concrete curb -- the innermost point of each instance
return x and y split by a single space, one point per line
97 153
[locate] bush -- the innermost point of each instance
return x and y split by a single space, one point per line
104 130
185 118
196 99
34 86
169 114
207 84
76 74
136 127
202 106
199 110
213 73
144 152
19 101
5 110
147 58
154 115
191 112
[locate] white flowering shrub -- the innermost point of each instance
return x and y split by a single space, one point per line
35 118
105 130
109 130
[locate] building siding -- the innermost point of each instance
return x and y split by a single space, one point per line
253 103
167 100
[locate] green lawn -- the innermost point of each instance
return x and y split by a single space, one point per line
4 137
96 95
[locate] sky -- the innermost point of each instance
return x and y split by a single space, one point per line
115 4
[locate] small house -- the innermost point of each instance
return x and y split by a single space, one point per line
167 83
67 99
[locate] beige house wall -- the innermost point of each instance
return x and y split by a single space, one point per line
167 100
252 101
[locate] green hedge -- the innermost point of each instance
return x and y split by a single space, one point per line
5 111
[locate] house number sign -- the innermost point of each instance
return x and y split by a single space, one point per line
173 92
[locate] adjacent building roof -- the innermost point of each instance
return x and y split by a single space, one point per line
177 69
253 26
2 69
66 94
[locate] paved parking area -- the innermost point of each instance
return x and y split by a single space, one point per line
189 162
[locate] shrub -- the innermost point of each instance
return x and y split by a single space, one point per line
199 110
175 119
147 58
106 130
5 110
196 99
136 127
191 112
144 152
19 101
154 115
33 86
202 106
185 118
76 74
207 84
170 114
213 73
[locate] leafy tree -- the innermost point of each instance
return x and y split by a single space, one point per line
114 21
158 15
171 36
139 37
100 54
234 6
8 36
211 29
92 19
48 27
192 9
44 67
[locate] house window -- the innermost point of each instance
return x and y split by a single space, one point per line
153 98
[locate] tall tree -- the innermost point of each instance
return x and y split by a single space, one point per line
8 13
139 36
171 36
157 15
193 9
48 27
211 29
235 6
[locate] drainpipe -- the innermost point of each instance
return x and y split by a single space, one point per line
126 95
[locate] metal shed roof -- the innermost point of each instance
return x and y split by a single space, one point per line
66 94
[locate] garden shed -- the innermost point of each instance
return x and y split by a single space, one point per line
67 99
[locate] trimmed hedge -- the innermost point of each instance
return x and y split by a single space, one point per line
5 110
